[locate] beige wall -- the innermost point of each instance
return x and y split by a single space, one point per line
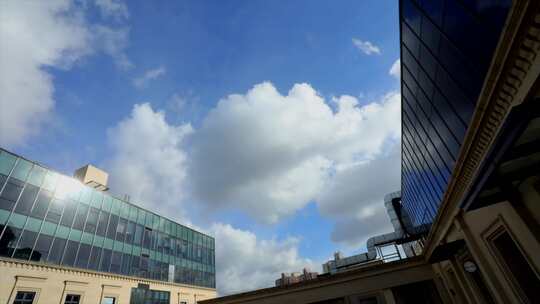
53 283
476 227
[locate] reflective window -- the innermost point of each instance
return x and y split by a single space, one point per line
113 223
95 254
55 211
29 194
10 193
80 218
69 213
41 204
24 297
446 46
83 256
105 260
26 243
57 249
41 250
91 221
70 253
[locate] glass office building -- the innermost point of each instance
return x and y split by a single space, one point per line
446 51
52 218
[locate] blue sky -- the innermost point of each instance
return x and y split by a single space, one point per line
134 88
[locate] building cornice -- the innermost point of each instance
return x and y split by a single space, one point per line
514 70
36 266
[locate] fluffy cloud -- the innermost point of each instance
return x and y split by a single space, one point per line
244 262
148 161
395 70
38 35
143 80
366 47
354 198
270 154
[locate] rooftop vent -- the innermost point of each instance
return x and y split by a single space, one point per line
93 177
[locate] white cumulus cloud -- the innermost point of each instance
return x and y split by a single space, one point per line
366 47
270 154
245 262
152 74
35 36
148 160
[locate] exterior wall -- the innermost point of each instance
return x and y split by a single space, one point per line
476 228
54 219
52 284
446 50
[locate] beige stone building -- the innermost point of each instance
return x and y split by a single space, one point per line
53 284
470 197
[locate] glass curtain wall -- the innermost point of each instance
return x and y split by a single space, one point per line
446 50
53 218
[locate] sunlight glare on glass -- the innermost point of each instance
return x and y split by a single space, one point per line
67 188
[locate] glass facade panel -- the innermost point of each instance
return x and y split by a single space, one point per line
45 216
446 49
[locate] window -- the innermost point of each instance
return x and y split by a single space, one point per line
24 297
91 221
41 205
102 223
70 254
27 199
57 249
80 217
41 250
10 193
108 300
72 299
521 273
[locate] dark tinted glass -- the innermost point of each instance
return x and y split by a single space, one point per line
43 245
72 299
446 48
57 250
116 262
105 260
70 254
24 205
26 243
24 297
83 256
10 194
95 254
519 267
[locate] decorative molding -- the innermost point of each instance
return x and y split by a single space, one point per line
29 278
514 71
67 282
